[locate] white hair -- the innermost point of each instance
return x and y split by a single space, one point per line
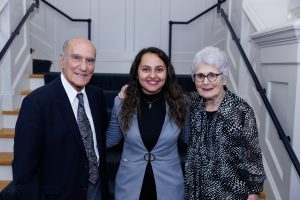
212 56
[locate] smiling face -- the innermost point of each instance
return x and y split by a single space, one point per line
78 62
152 73
210 90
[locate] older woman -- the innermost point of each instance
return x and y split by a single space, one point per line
224 159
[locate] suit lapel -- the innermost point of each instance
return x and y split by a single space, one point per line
94 106
66 111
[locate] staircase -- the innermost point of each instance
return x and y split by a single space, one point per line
7 133
9 120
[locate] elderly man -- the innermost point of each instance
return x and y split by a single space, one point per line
60 133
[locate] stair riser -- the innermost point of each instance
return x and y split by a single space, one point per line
36 83
9 121
6 144
22 97
5 172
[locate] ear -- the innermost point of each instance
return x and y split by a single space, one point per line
62 59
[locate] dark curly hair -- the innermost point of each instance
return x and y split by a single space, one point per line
172 91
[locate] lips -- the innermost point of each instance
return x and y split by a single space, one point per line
206 89
152 82
82 75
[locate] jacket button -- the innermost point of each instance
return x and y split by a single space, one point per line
84 189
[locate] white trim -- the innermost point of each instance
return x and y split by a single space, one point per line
253 16
284 34
23 46
21 71
271 181
3 4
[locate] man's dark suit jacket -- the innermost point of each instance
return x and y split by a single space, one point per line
49 157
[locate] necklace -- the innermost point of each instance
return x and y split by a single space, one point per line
151 102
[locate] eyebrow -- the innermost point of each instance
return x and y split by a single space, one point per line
154 66
75 54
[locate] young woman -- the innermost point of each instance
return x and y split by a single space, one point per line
150 119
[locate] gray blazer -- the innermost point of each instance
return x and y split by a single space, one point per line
166 165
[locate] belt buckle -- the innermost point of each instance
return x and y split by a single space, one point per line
149 157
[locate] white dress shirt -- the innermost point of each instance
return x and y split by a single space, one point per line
72 93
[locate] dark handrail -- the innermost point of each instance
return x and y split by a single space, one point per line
18 28
186 22
70 18
25 17
37 3
260 90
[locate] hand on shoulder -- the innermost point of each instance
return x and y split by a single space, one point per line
122 94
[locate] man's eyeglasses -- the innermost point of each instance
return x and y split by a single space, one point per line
211 77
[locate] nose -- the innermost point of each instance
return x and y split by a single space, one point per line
152 74
83 65
206 81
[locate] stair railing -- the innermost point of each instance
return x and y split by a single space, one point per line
261 91
18 28
25 17
258 86
186 22
89 21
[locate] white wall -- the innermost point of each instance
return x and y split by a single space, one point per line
280 72
294 9
121 28
270 42
277 12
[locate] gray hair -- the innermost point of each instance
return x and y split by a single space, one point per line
212 56
65 47
67 43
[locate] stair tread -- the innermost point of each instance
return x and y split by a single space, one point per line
10 112
262 195
7 133
36 76
25 92
3 184
6 158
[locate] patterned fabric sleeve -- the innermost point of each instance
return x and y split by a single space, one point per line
185 132
252 156
114 134
184 136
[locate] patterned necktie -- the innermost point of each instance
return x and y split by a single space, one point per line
87 138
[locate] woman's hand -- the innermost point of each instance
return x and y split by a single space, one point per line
253 197
122 94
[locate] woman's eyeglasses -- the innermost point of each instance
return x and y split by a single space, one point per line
211 77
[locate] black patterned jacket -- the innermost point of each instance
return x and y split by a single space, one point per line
223 159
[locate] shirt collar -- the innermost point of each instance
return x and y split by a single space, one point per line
71 92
